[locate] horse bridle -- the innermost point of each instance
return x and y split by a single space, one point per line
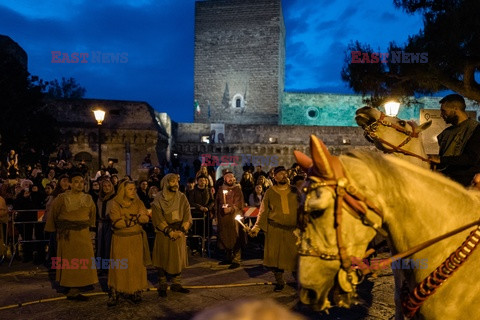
371 135
346 193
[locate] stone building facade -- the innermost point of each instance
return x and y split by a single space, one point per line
239 61
130 131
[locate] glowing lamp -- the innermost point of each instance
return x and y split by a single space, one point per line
391 108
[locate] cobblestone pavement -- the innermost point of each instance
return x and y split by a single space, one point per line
23 283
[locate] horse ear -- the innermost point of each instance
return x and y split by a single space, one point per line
424 126
321 157
304 161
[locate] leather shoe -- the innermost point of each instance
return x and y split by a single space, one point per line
162 292
279 287
234 265
178 288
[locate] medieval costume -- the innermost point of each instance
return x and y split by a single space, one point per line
130 254
278 218
171 218
104 227
72 214
229 202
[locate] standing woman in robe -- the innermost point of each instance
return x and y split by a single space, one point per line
104 227
129 250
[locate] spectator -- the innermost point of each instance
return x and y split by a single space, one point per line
256 197
94 190
110 167
247 184
258 172
142 192
147 161
104 226
49 178
12 170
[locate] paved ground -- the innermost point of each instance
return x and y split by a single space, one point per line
24 282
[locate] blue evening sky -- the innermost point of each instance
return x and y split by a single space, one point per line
157 36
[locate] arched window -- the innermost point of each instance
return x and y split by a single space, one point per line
237 101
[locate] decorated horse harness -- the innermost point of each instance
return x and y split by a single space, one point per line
348 194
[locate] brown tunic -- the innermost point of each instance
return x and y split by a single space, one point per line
73 244
278 218
170 255
229 232
128 248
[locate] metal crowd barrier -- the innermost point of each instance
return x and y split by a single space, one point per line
16 231
15 237
204 233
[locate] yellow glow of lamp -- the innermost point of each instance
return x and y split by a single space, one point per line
99 116
391 108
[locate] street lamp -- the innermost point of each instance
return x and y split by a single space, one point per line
391 108
99 116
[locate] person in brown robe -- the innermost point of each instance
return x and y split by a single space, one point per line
171 218
129 253
229 202
72 214
278 218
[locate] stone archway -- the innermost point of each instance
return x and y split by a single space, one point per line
85 156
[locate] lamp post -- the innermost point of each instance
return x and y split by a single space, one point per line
99 116
391 108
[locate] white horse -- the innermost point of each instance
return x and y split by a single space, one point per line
350 198
394 135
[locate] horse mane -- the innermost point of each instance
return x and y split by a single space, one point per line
408 182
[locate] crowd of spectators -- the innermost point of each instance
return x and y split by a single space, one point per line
29 190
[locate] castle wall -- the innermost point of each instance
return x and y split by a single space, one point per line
239 61
268 145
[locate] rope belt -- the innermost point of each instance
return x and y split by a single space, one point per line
64 227
281 226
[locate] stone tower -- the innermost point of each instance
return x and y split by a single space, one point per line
239 61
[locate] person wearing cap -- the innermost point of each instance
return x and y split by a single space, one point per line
229 203
171 218
72 214
278 218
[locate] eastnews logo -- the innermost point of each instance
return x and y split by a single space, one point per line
392 57
97 263
376 264
93 57
238 160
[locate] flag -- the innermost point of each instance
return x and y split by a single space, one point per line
197 107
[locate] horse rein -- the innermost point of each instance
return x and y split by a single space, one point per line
370 134
346 193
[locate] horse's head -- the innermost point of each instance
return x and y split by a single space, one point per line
335 231
391 134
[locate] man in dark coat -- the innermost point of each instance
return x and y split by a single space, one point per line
459 155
